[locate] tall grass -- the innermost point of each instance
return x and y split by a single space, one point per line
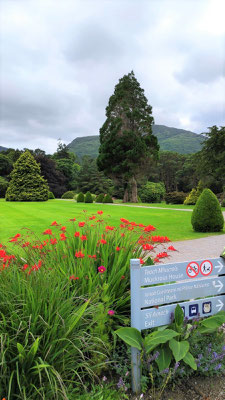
61 295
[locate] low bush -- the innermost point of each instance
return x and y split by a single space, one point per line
80 198
193 196
175 197
152 192
107 199
99 198
88 198
68 195
51 196
207 215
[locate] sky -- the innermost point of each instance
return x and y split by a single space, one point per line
61 59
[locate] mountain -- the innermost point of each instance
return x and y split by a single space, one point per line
171 139
3 148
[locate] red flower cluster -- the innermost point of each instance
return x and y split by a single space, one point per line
171 248
149 228
73 278
147 247
5 259
79 254
160 239
47 232
15 238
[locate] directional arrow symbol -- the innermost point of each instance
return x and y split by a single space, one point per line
219 286
220 305
219 267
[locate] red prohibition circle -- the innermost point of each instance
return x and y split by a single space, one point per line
195 273
211 267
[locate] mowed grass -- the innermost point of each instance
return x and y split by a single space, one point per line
38 216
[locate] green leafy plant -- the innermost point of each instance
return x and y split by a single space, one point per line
68 195
88 198
80 198
107 199
99 198
51 196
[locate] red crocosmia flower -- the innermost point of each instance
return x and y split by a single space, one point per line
171 248
141 261
25 244
100 212
122 226
1 245
125 221
162 255
147 246
53 241
111 312
117 248
156 259
122 277
81 224
76 234
141 225
72 219
103 241
14 239
133 223
54 223
149 228
62 236
122 234
73 278
130 228
79 254
83 237
25 267
94 256
101 269
93 217
63 229
17 235
47 232
109 228
160 239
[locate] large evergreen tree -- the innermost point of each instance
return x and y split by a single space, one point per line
127 145
26 183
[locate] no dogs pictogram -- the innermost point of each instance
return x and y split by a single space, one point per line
206 267
192 269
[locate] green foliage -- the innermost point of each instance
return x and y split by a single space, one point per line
99 198
207 215
90 179
107 199
223 203
3 186
175 197
51 196
193 196
80 198
88 198
68 195
126 141
152 192
26 182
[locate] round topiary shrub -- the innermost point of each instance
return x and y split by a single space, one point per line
108 199
99 198
68 195
88 198
80 198
207 215
51 196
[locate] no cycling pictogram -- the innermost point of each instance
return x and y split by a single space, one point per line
206 268
192 269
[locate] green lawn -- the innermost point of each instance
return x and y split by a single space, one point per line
39 215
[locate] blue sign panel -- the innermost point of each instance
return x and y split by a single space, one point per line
183 270
153 317
175 292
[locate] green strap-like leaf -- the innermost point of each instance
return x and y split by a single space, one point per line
164 359
131 336
179 349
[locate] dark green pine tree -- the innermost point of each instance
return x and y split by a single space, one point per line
26 182
127 145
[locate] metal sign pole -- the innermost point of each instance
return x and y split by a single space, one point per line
135 280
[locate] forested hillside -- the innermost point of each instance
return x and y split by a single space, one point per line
3 148
171 139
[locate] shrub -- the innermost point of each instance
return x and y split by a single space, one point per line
68 195
3 186
152 192
99 198
175 197
207 215
80 198
51 196
26 183
88 198
107 199
223 203
194 194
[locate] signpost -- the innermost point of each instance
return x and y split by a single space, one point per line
152 306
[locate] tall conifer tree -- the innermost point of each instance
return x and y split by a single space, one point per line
26 183
127 145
